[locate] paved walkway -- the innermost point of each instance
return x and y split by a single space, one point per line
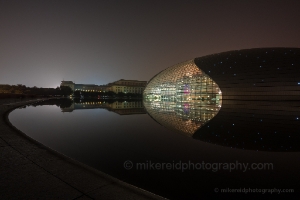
29 170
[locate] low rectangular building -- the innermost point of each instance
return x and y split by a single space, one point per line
125 86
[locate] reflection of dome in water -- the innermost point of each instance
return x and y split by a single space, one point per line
174 116
182 98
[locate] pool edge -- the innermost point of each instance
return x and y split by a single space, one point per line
53 169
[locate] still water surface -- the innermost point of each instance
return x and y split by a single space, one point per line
153 147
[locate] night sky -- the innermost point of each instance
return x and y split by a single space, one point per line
44 42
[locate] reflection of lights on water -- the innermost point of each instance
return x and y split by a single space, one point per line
186 108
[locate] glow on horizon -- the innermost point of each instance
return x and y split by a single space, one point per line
98 42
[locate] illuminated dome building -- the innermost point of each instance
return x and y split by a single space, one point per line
242 74
183 94
215 98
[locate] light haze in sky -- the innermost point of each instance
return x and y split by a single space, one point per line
97 42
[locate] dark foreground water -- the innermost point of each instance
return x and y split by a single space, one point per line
175 150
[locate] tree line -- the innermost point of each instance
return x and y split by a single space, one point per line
22 90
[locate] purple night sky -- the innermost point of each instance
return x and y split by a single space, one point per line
46 41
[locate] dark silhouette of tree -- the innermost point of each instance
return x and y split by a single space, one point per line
66 90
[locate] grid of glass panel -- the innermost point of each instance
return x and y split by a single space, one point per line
182 97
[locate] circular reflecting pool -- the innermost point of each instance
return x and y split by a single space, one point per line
174 149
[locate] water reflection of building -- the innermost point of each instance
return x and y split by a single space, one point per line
119 107
181 117
260 126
